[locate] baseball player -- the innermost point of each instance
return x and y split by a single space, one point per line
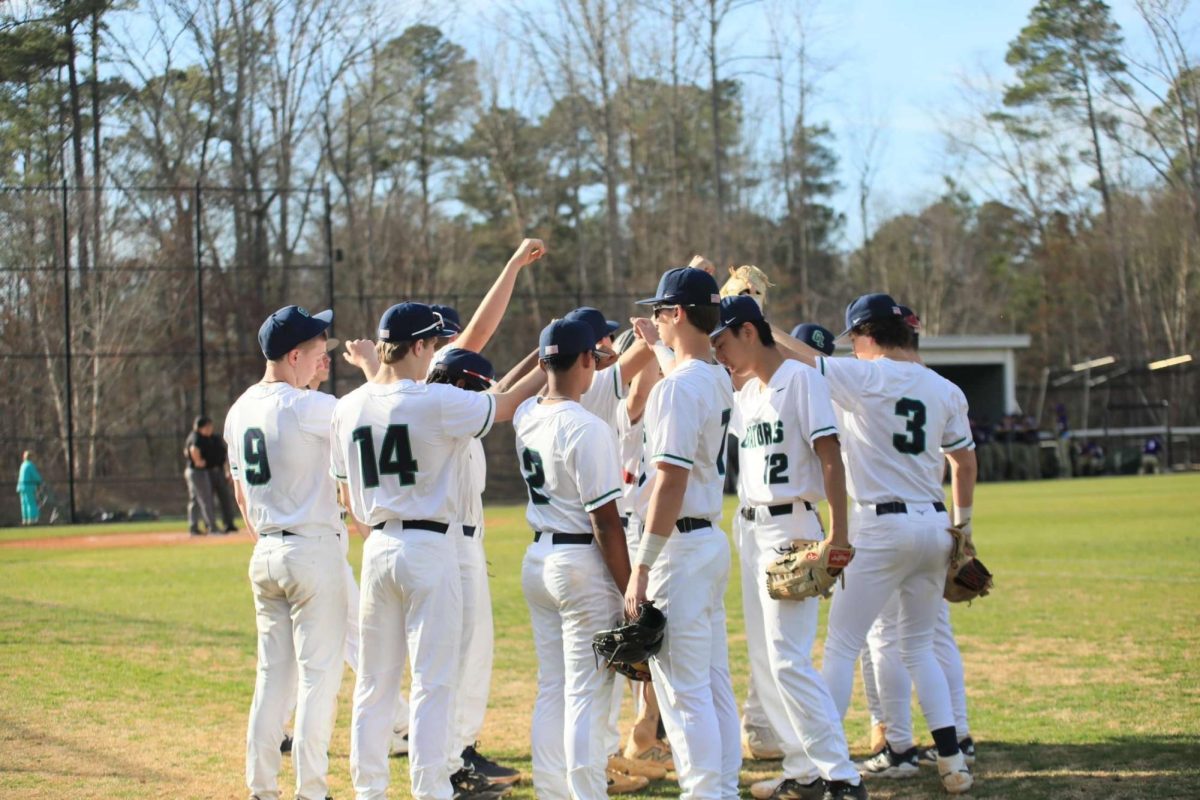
790 460
572 570
400 445
898 418
683 557
278 435
889 680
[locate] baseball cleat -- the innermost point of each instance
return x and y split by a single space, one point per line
646 769
762 790
657 754
843 790
620 783
887 763
878 740
286 745
399 745
792 789
956 778
763 744
489 769
965 746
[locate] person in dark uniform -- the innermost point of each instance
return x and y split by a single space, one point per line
216 455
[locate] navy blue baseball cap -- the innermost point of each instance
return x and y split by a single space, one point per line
870 308
466 363
290 327
407 322
685 286
449 316
566 337
594 317
735 310
815 336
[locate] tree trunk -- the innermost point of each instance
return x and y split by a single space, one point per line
714 24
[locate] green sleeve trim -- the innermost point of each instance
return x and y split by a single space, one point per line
487 421
601 500
820 431
955 442
821 362
673 456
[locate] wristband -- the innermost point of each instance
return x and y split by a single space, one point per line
648 550
665 356
962 514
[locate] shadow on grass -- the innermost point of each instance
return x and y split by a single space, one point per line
33 751
34 622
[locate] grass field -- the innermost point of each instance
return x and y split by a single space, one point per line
128 671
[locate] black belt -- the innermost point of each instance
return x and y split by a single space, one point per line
417 525
564 538
293 533
689 524
781 510
902 508
468 530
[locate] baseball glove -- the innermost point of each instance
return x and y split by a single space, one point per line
809 570
746 279
627 649
967 578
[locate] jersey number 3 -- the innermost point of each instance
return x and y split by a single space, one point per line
913 442
395 456
534 474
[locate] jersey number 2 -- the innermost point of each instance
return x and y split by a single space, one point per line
395 456
913 442
535 475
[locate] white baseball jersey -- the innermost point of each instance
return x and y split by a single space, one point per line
605 394
568 457
775 427
402 447
630 437
899 417
278 439
474 478
687 419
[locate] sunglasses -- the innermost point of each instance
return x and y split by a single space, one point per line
657 309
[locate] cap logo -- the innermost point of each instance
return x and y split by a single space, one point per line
550 350
818 338
302 311
715 298
896 311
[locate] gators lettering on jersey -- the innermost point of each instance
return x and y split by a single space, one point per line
403 448
776 427
278 439
568 457
687 419
898 419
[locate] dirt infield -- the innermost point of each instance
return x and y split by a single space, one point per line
105 541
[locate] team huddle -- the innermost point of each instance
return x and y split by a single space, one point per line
623 447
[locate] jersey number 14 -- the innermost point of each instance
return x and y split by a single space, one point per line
395 455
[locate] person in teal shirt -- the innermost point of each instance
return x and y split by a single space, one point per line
28 481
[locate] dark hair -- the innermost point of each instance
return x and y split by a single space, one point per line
561 363
764 331
703 317
888 332
442 374
201 421
391 352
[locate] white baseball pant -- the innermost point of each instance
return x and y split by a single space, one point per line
894 684
691 671
571 596
411 598
352 640
904 554
753 713
874 708
794 695
478 636
300 613
633 535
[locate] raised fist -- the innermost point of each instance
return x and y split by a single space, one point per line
529 251
700 262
